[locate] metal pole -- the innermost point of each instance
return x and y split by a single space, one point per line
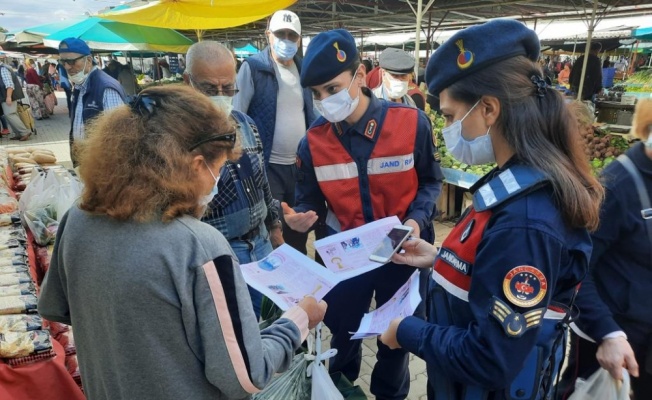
574 46
428 37
587 49
418 39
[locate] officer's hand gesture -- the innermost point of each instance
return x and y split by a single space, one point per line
615 354
300 222
418 253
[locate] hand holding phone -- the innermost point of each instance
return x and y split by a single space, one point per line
391 243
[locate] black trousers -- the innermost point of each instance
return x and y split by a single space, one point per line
282 181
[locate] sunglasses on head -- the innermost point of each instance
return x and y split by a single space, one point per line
71 61
229 137
144 104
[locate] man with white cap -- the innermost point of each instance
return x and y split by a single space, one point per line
396 67
270 93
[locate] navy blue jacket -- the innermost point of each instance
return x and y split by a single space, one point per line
262 108
491 328
93 101
621 274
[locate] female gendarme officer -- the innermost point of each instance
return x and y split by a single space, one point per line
505 276
364 160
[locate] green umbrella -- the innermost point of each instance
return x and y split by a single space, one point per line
102 34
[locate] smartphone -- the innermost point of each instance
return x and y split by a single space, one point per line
391 243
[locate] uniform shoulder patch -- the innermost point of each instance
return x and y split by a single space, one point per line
525 286
513 323
370 129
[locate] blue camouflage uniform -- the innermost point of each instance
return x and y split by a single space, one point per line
499 290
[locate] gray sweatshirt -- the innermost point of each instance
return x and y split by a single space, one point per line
161 311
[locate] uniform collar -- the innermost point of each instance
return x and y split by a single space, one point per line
640 158
368 125
84 85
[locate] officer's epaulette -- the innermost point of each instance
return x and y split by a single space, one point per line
507 184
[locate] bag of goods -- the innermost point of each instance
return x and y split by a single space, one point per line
56 328
18 304
72 365
15 279
67 340
23 289
9 219
22 344
20 323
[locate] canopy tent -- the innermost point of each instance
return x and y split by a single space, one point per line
101 34
642 33
198 14
246 51
35 34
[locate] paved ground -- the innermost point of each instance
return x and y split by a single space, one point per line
53 134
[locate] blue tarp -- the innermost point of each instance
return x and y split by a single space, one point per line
246 51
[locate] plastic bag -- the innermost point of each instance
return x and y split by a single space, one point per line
293 384
601 386
45 200
323 387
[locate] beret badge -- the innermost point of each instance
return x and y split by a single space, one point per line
341 54
465 58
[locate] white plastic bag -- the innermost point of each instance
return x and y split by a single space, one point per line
323 387
601 386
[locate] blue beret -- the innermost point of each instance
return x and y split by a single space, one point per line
478 47
74 45
328 55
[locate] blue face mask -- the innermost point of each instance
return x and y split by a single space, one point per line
206 200
285 49
473 152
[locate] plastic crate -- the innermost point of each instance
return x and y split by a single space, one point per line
608 77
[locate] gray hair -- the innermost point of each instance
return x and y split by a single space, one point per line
207 51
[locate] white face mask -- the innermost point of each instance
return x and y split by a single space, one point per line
80 76
285 49
340 106
224 103
475 152
396 88
206 200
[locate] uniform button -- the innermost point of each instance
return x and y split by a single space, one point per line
238 165
520 392
248 190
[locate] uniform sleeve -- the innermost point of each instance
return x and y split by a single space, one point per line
245 85
596 320
428 172
238 358
308 194
483 354
111 99
53 299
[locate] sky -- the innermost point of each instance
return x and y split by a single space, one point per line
20 14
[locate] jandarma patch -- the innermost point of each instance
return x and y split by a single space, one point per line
525 286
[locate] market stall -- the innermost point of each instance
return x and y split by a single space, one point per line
38 357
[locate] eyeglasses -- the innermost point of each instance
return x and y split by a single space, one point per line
144 104
71 61
287 34
213 90
229 137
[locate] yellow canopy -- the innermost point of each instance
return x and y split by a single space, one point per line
198 14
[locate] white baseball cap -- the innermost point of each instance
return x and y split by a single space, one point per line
285 19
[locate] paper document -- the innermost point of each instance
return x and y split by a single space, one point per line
285 276
347 253
402 304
